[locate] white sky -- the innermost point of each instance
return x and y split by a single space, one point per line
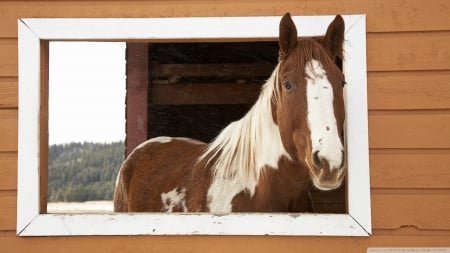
86 92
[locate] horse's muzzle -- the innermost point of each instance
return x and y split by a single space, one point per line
327 175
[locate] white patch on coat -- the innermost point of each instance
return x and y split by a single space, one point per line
175 199
321 119
221 194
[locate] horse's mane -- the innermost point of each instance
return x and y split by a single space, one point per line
238 152
245 146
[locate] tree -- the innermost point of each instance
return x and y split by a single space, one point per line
83 171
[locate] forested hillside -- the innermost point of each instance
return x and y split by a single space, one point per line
83 171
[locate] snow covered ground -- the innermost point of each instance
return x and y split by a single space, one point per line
80 207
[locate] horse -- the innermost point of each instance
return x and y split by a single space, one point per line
292 139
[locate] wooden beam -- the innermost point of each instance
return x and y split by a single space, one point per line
43 140
204 93
238 70
137 95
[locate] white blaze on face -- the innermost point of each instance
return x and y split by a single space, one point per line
321 119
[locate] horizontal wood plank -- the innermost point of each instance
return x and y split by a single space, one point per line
8 171
408 51
8 211
409 90
8 130
382 15
390 210
415 169
9 57
386 91
396 130
237 70
385 52
8 92
400 129
217 244
421 210
204 93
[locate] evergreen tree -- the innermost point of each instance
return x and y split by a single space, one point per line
83 171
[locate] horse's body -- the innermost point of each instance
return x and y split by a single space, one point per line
264 162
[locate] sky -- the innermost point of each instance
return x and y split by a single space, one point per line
86 92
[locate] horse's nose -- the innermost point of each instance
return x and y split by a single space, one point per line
321 161
316 160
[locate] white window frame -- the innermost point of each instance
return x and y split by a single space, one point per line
31 223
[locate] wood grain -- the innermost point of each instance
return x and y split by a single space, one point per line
8 130
382 15
416 169
409 130
408 51
8 211
8 92
204 93
217 244
8 171
408 90
385 52
386 90
421 210
137 95
391 209
237 70
8 56
43 128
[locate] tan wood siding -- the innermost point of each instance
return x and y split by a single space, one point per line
8 168
8 92
421 209
408 54
385 52
409 90
410 168
383 15
8 130
114 244
8 56
409 130
8 210
408 51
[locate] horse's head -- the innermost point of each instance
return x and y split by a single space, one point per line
309 104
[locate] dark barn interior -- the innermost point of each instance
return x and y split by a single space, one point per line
196 89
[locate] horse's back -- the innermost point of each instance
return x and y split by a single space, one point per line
154 168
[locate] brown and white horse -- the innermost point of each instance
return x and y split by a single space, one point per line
264 162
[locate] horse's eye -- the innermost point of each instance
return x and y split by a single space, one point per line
288 86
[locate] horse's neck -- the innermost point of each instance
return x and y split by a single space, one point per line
285 189
246 146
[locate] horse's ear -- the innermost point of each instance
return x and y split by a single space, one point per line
288 35
334 39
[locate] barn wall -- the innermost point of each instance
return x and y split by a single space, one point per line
409 123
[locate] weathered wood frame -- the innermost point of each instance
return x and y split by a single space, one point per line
34 35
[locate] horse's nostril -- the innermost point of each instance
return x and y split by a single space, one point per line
316 160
